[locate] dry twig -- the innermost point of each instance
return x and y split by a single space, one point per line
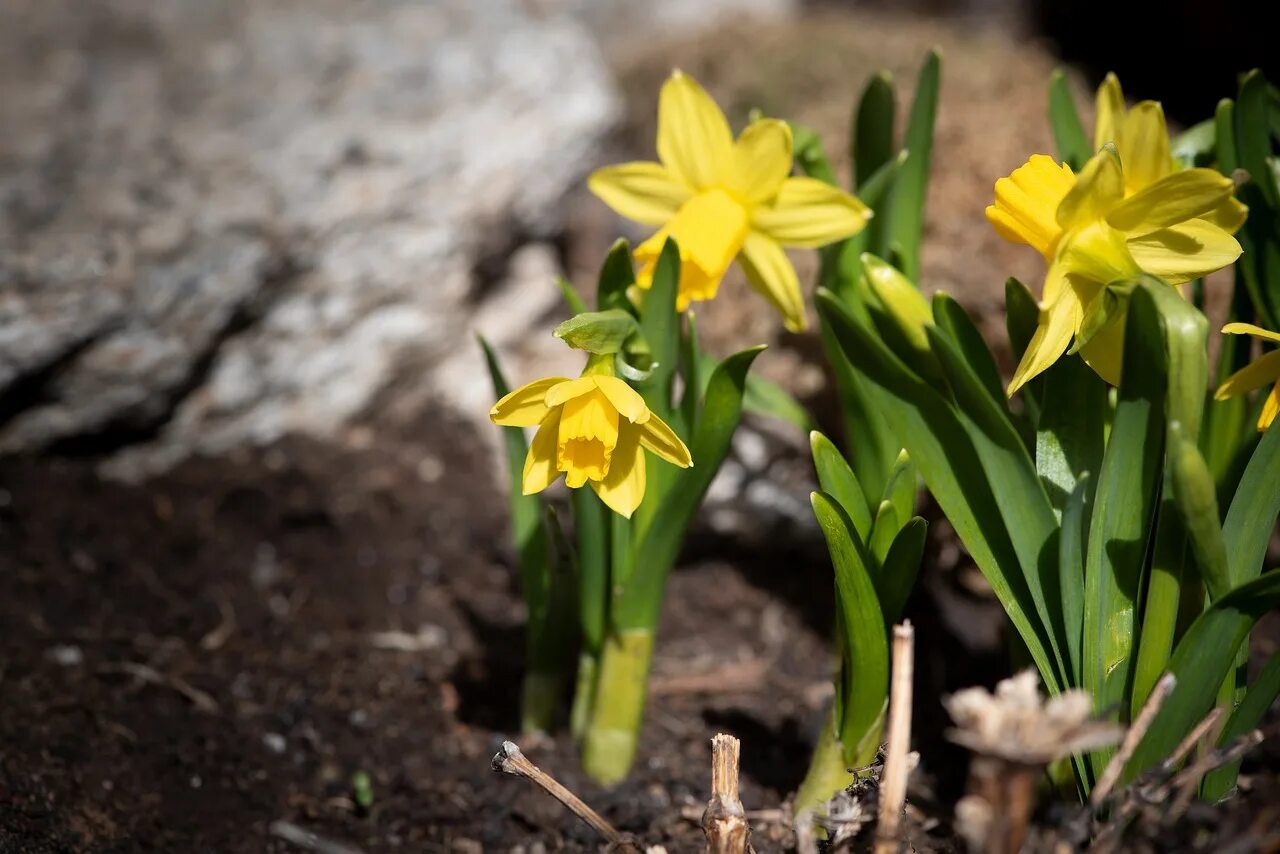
893 789
1132 739
724 821
145 673
290 832
509 760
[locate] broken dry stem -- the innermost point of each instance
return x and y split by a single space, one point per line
893 790
1132 738
724 821
509 760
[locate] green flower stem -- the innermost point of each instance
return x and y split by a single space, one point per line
584 695
609 743
828 773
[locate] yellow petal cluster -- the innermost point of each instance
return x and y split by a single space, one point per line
724 199
1265 369
593 429
1130 209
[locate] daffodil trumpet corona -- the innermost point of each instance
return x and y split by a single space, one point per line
1130 209
724 200
592 430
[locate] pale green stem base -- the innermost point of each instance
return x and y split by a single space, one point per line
609 743
584 695
828 773
540 697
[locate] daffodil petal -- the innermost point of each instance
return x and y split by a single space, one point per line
657 436
540 469
566 390
625 399
1144 146
694 141
1104 352
770 273
1027 200
1238 328
1098 188
1171 200
1228 216
526 406
761 160
810 213
622 489
1057 324
1184 252
1270 408
644 192
1109 109
1265 369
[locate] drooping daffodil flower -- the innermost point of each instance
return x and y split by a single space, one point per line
724 199
1265 369
1141 138
593 429
1091 233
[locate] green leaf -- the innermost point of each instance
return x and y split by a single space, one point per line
1128 484
1069 433
1071 560
660 325
616 275
599 332
1253 135
954 322
865 653
766 398
900 568
872 132
1247 717
928 427
1251 519
900 489
591 532
884 529
809 155
906 206
638 603
1196 496
1074 147
864 425
1203 658
836 478
1023 505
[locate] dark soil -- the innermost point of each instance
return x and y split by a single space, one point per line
186 662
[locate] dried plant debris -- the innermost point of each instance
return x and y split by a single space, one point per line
1017 724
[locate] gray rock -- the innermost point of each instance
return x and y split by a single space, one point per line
222 223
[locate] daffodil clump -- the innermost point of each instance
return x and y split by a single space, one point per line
1120 513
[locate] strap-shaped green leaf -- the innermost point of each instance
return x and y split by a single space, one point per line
906 206
1074 148
900 568
1071 558
1251 519
884 529
1069 433
616 275
572 299
864 657
638 602
900 490
1128 485
1253 135
930 430
836 479
764 397
660 326
1247 716
591 534
1203 658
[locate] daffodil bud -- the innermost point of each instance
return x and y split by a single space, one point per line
901 300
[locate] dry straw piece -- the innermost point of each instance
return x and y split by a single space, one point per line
724 821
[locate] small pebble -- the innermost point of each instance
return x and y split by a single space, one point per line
275 742
67 655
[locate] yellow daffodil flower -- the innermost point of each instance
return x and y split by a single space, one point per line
591 429
1265 369
1091 233
1141 138
723 199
